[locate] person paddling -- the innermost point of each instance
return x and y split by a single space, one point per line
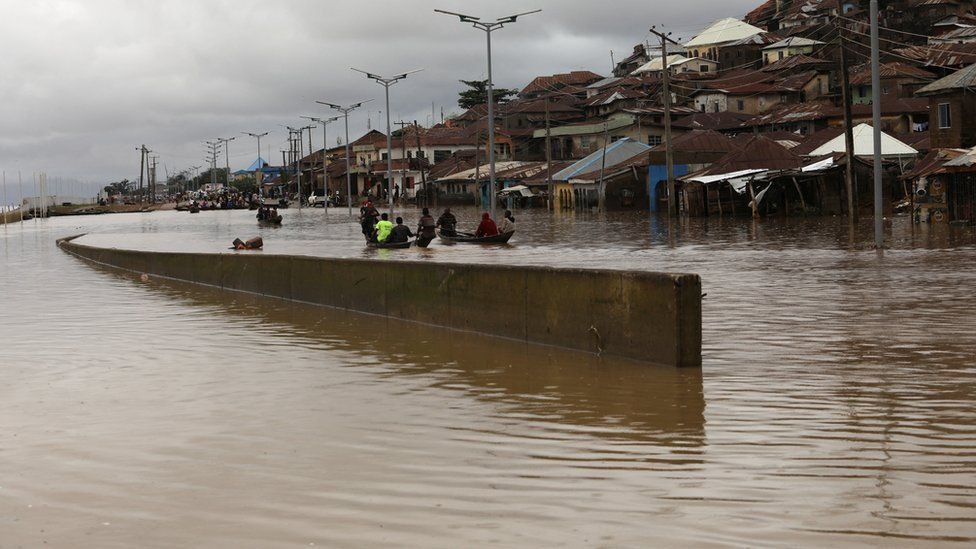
447 223
400 233
487 226
426 229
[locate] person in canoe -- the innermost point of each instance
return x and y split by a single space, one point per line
383 228
426 229
400 233
447 223
487 226
368 217
507 224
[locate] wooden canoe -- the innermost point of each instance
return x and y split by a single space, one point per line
468 238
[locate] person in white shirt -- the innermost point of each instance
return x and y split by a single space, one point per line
507 224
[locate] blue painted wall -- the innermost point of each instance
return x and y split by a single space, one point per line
659 172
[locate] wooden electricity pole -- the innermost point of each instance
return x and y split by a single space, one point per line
669 150
550 203
848 129
420 165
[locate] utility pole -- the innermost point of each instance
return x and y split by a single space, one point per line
550 199
669 149
420 165
142 167
876 104
213 147
152 180
226 141
403 145
848 130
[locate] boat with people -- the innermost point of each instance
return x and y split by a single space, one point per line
470 238
389 245
268 216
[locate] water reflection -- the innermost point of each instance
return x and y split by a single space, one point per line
604 396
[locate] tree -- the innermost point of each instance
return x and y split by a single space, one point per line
478 94
119 187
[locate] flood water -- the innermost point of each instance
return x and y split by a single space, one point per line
836 405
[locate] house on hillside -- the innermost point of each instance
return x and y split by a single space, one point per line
626 66
677 64
952 102
574 83
709 42
794 45
898 79
746 52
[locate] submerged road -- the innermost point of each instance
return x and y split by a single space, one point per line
835 404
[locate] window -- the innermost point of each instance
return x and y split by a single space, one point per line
653 140
780 55
441 155
741 105
945 116
716 106
585 141
383 156
703 68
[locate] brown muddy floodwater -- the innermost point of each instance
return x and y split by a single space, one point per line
835 406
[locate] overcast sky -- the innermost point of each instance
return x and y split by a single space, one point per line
85 82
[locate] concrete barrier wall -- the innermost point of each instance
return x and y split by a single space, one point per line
651 317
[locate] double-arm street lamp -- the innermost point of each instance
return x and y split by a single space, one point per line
386 83
258 179
325 146
345 113
477 23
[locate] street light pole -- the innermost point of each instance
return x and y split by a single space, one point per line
325 145
345 113
386 83
226 141
258 179
488 28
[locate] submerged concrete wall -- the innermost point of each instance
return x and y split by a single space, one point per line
650 317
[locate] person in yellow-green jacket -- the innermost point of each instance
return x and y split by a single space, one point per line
383 228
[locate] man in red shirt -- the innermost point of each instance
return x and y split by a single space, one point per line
487 226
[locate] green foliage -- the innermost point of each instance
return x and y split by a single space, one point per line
477 94
119 187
